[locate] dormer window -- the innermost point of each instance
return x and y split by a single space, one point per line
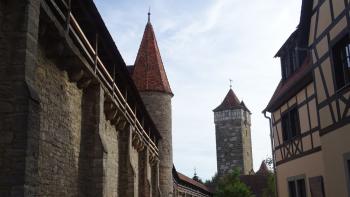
289 62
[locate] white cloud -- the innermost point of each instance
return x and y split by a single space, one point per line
204 43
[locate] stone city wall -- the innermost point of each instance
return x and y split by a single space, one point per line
55 137
18 37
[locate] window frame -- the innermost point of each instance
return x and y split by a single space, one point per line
336 50
289 62
295 180
288 133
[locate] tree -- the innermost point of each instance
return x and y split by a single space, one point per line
270 190
196 178
269 162
231 186
213 182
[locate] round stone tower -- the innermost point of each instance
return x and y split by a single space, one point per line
150 79
233 136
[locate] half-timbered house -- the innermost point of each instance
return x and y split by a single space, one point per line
310 107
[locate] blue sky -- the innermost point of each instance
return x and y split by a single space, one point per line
203 44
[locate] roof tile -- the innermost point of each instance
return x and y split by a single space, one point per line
230 102
149 73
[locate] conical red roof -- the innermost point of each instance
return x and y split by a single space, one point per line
230 102
149 73
263 169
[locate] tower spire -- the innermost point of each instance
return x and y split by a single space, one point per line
149 14
150 79
149 73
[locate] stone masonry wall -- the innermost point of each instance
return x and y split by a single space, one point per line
247 148
229 147
159 107
110 138
233 144
134 161
91 175
78 146
55 140
18 37
155 180
60 130
144 174
128 172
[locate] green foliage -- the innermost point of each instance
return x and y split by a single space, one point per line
269 162
196 178
231 186
270 190
213 182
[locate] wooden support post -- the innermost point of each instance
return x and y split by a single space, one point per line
126 99
68 16
113 82
96 52
135 114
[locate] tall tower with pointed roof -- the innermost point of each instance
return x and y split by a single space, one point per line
233 136
151 80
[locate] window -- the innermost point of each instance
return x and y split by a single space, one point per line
292 189
341 62
290 124
297 188
301 188
289 63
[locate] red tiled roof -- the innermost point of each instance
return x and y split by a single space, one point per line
230 101
149 73
263 170
287 88
193 182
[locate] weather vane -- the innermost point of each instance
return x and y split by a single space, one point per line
149 14
230 83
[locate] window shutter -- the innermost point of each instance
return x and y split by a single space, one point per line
316 186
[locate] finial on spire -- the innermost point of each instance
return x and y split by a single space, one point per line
149 14
230 83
